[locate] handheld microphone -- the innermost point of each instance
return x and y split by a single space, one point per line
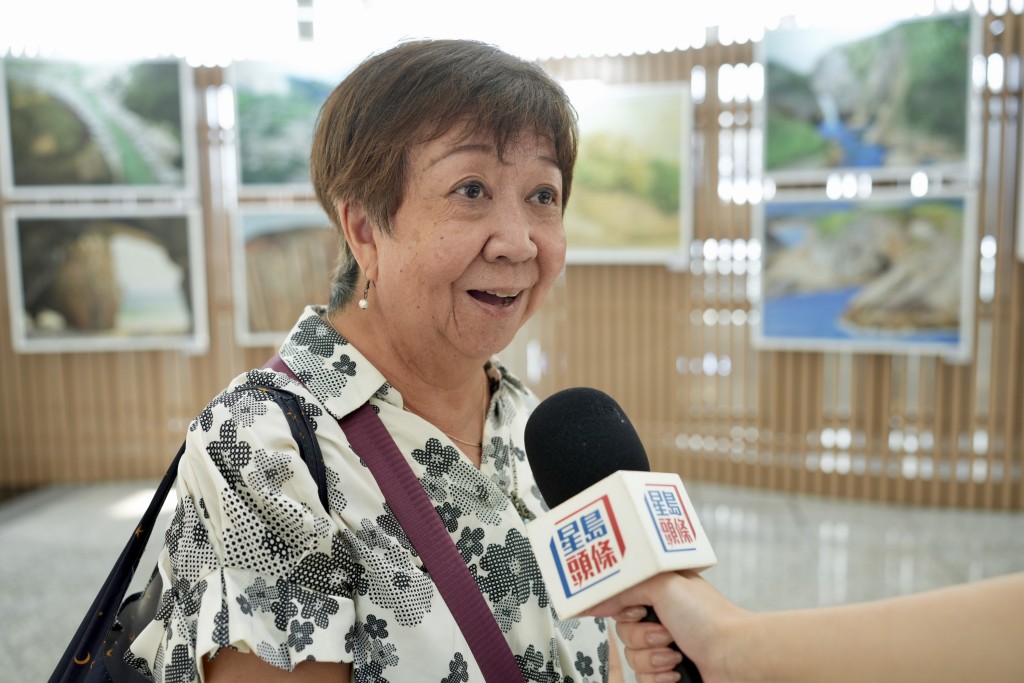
612 523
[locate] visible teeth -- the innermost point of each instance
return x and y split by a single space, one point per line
503 295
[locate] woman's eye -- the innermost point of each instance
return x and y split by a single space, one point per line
546 196
471 190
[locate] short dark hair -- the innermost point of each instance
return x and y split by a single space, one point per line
413 93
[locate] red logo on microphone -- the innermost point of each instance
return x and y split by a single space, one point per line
669 516
587 546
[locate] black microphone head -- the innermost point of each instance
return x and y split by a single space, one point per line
577 437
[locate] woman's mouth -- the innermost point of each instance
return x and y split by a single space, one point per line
494 298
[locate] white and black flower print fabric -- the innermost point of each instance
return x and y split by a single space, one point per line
253 561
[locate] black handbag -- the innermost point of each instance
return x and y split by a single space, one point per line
96 652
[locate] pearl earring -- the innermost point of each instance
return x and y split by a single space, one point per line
363 303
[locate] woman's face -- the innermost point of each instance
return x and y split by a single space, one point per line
477 243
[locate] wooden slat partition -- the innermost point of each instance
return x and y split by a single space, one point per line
891 428
672 347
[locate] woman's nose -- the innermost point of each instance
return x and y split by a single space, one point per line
512 234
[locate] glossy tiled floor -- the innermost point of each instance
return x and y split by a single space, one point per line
775 551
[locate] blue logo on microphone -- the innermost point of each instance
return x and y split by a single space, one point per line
587 547
671 521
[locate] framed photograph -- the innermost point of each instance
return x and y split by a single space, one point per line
880 275
97 130
632 192
277 104
105 278
283 260
889 98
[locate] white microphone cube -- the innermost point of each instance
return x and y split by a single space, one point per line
615 534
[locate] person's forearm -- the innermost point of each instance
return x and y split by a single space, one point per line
962 633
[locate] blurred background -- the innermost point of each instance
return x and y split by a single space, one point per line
796 260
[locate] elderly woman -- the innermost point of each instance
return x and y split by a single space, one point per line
445 166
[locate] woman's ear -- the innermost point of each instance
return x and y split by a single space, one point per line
359 233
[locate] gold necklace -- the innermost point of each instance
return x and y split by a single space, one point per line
466 443
453 438
471 444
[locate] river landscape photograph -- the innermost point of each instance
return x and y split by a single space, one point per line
92 129
877 276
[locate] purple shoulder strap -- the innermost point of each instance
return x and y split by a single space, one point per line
412 508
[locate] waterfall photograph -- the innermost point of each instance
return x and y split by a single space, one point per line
895 95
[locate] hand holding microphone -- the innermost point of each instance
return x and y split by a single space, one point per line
691 613
618 536
613 523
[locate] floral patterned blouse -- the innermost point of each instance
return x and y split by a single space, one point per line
253 561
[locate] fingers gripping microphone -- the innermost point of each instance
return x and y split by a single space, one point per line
613 523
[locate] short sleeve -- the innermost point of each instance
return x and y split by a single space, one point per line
251 559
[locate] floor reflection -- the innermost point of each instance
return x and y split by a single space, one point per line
775 551
784 551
